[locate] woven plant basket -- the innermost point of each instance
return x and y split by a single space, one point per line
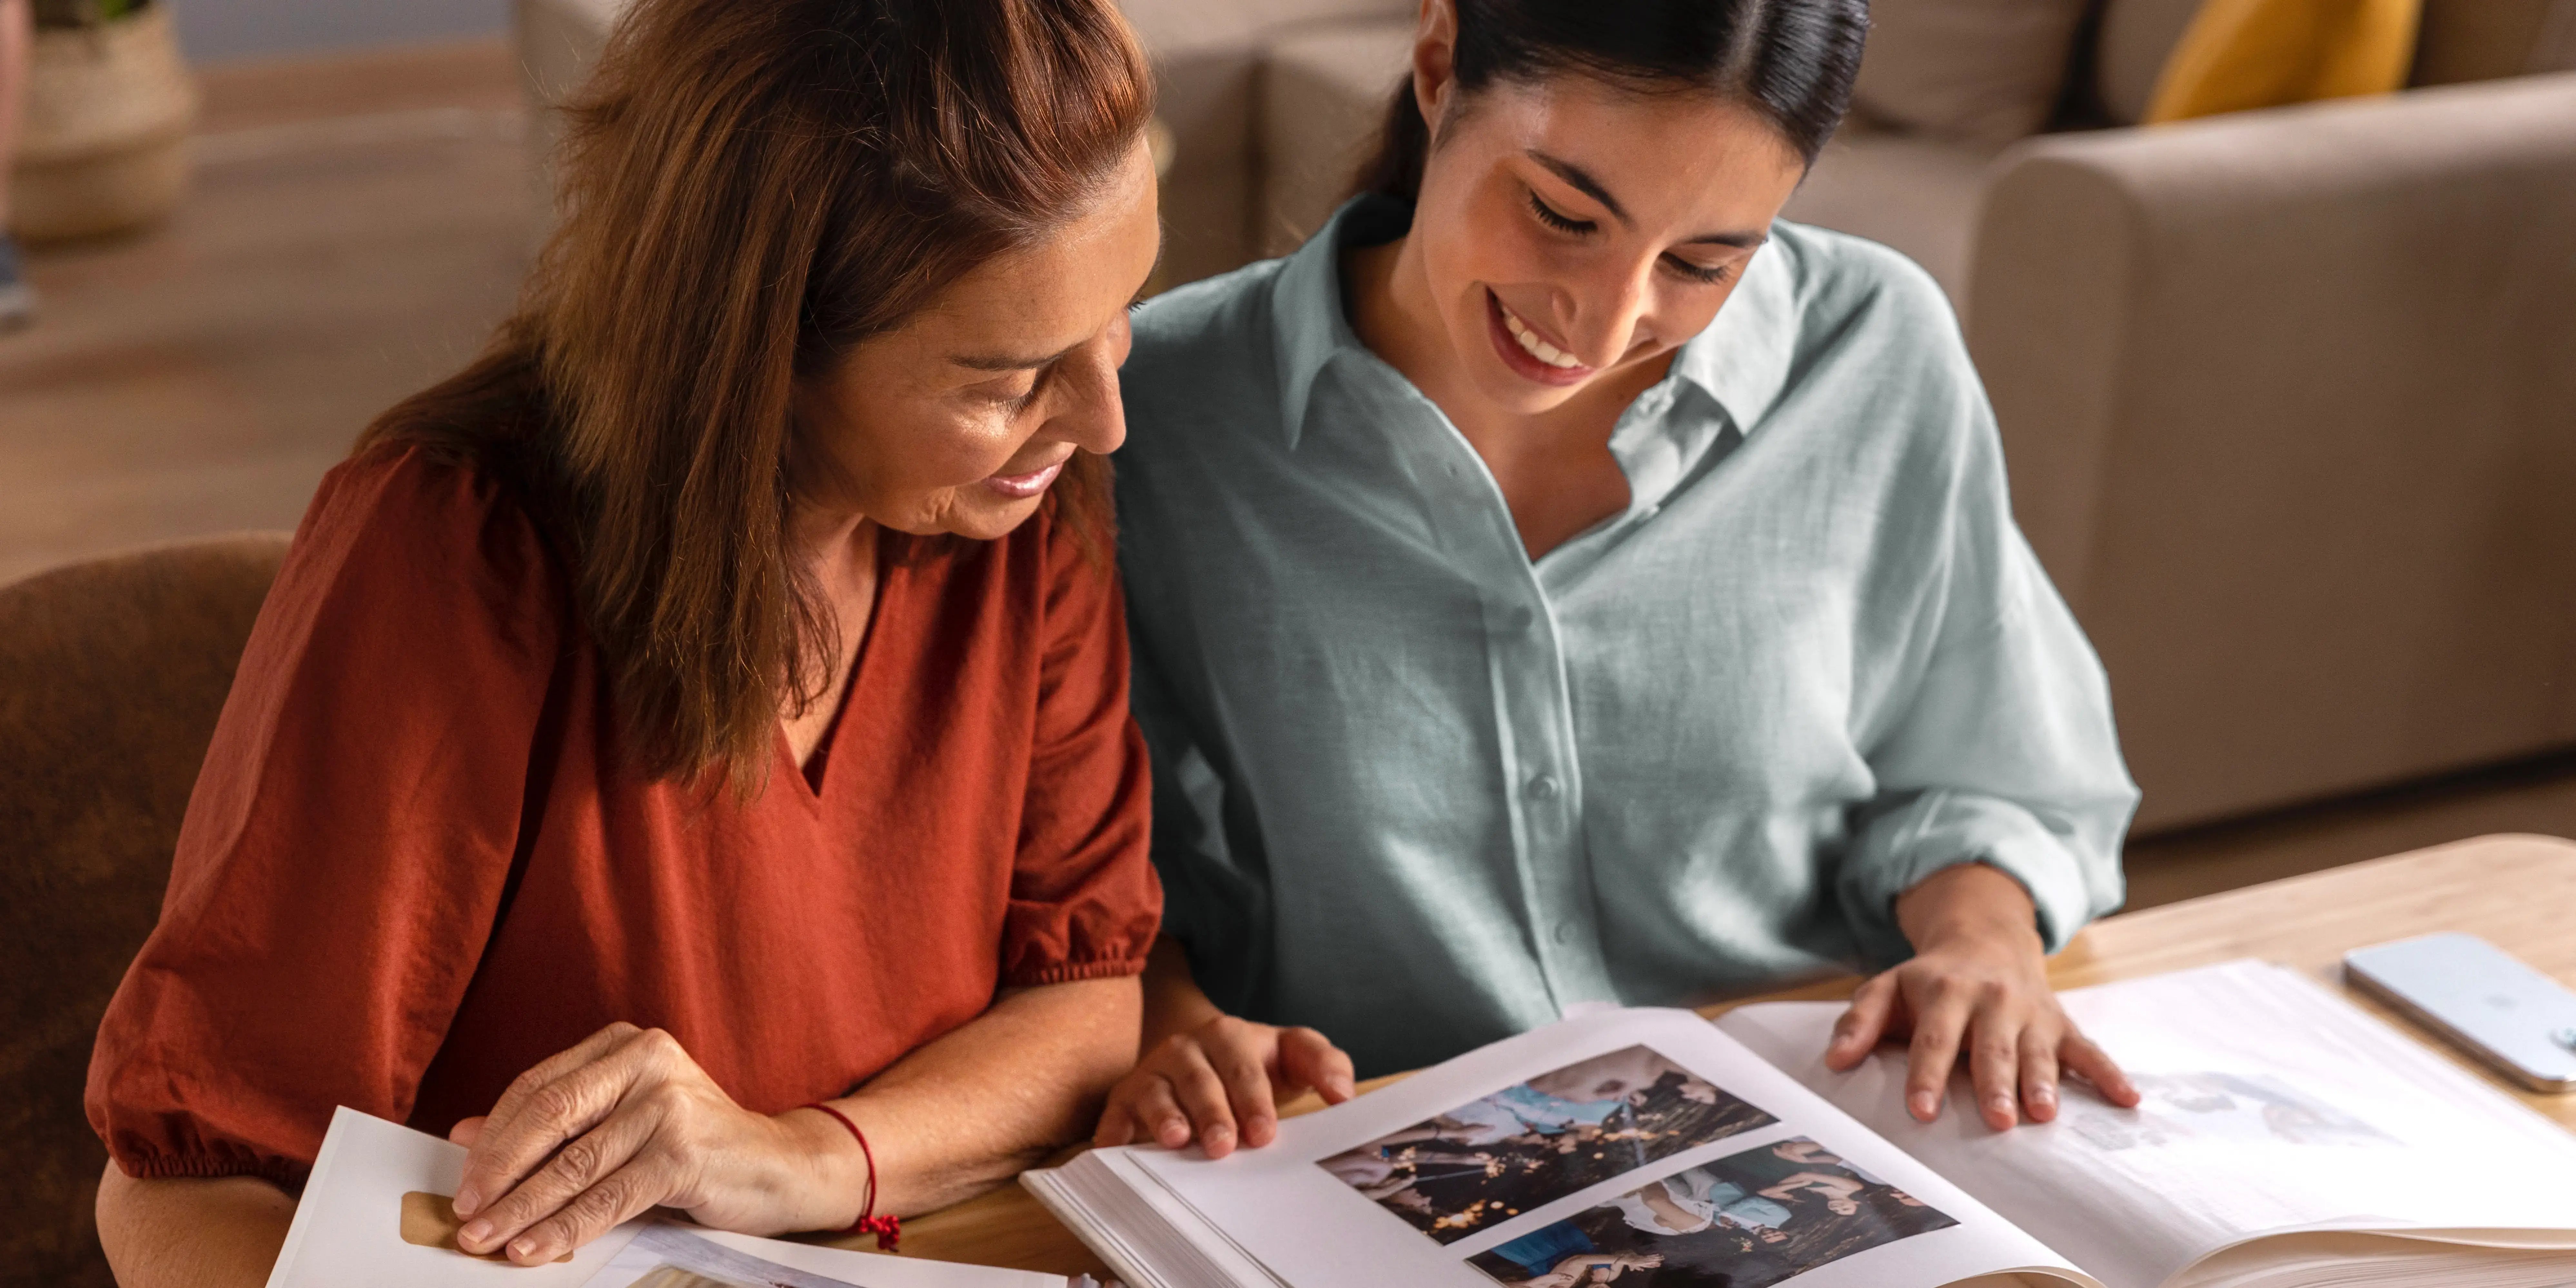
104 148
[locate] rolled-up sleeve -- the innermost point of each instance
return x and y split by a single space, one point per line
1084 900
2002 750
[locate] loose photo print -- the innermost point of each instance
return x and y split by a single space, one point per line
1495 1157
1748 1220
666 1256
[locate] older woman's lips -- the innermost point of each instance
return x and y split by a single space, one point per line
1020 487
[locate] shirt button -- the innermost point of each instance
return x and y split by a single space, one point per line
1564 933
1543 787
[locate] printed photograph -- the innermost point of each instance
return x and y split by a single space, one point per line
1745 1221
666 1256
2177 1107
1498 1156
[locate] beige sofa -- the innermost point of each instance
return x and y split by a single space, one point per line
2289 396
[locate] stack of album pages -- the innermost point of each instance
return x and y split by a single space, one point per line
2287 1140
376 1214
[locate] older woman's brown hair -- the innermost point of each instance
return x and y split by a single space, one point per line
749 190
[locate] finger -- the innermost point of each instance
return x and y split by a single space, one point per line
2096 1066
1937 1030
1994 1062
467 1130
2039 1073
1241 1064
1118 1123
580 1099
620 1196
590 1049
1311 1060
582 1164
1202 1096
1158 1111
1862 1024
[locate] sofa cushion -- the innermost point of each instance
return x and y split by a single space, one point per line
1986 71
1919 195
1324 93
2239 55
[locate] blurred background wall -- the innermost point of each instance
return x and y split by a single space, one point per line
213 30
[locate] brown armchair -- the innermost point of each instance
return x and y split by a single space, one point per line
111 675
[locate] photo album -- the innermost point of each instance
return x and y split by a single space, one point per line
2287 1140
376 1214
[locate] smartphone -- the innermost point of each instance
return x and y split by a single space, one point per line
2483 999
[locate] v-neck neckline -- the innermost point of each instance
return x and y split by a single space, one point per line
814 776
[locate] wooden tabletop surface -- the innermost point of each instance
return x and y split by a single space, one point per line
2517 891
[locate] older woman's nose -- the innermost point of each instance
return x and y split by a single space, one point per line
1093 419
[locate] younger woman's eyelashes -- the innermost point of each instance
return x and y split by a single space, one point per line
1571 226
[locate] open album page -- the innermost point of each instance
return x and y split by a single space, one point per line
1639 1148
2271 1105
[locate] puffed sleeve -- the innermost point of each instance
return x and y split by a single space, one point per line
1084 897
345 850
2002 749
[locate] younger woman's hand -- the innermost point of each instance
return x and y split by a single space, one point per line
1977 984
627 1121
1221 1083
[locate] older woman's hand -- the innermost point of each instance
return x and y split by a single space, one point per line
626 1121
1978 982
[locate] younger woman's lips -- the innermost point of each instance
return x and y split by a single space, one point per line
1520 360
1020 487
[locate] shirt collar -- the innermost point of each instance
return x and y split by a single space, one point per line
1741 360
1309 324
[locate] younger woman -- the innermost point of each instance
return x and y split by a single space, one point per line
1562 582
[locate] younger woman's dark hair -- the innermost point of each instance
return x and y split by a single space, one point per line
1790 61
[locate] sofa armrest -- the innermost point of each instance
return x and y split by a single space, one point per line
2290 401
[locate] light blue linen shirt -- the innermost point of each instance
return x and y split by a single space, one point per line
1421 793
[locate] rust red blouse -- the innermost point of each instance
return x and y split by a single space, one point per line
413 866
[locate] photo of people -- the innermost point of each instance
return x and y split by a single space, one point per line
1500 1155
2219 1106
1745 1221
665 1256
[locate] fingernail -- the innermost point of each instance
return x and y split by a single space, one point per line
474 1232
524 1249
2043 1096
467 1200
1217 1135
1923 1104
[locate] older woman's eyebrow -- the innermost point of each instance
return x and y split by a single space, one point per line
1010 362
1581 180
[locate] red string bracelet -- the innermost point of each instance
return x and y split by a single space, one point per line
887 1229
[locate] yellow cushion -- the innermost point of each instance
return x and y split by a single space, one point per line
2240 54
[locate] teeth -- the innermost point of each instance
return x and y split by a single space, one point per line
1538 348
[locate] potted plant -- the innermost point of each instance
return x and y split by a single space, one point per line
109 102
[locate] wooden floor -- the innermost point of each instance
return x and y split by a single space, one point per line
357 226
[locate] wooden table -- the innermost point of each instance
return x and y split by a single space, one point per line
2517 891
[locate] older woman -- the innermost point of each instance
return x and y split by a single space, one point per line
712 702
